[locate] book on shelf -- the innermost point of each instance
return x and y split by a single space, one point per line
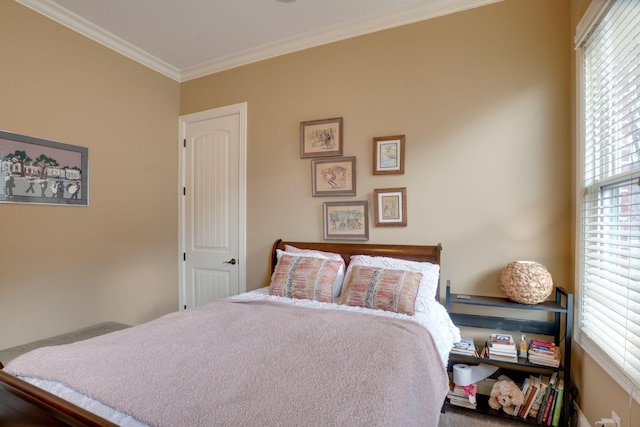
534 388
465 346
462 395
527 398
542 390
541 344
554 353
548 409
547 405
557 407
500 354
553 363
549 356
502 341
545 398
461 401
542 399
512 359
495 352
525 388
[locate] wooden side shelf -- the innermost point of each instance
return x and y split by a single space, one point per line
560 329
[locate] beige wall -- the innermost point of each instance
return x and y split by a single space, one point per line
63 268
484 97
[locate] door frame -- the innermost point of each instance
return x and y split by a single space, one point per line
184 120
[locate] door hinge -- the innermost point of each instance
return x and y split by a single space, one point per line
184 143
184 191
184 256
185 306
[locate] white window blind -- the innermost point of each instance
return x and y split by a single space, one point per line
609 294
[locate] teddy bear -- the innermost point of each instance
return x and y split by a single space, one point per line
506 394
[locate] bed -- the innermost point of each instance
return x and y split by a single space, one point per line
345 334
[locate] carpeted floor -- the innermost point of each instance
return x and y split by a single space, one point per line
453 417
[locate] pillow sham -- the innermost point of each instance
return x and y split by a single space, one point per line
312 252
430 275
337 286
304 277
384 289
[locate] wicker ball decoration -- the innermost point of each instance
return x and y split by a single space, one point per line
526 282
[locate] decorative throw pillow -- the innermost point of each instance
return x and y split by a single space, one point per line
337 285
430 275
304 277
384 289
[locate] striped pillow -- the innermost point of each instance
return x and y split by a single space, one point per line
304 278
384 289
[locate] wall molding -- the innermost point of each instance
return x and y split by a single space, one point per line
88 29
381 21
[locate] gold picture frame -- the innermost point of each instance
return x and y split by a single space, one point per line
321 138
390 207
388 155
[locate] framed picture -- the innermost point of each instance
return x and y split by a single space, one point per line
390 207
346 220
35 170
333 177
388 155
321 138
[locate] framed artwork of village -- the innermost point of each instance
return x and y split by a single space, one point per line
35 170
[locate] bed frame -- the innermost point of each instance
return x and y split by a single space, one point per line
23 404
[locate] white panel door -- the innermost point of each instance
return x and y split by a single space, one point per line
212 205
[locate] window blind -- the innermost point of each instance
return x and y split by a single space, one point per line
609 304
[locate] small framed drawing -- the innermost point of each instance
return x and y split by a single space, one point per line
41 171
388 155
346 220
390 207
321 138
333 177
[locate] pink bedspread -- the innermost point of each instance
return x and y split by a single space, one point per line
244 363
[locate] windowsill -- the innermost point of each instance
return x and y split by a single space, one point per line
608 365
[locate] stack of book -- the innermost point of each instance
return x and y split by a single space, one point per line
502 347
465 346
543 399
544 353
462 396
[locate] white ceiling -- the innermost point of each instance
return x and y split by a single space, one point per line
185 39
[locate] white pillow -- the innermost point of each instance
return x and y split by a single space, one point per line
428 284
293 251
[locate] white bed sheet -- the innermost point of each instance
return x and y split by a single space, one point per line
435 320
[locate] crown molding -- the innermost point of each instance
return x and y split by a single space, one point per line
342 31
381 21
77 23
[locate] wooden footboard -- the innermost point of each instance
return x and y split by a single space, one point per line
23 404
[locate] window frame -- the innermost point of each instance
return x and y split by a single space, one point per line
594 13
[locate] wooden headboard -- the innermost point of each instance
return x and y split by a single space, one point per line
422 253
